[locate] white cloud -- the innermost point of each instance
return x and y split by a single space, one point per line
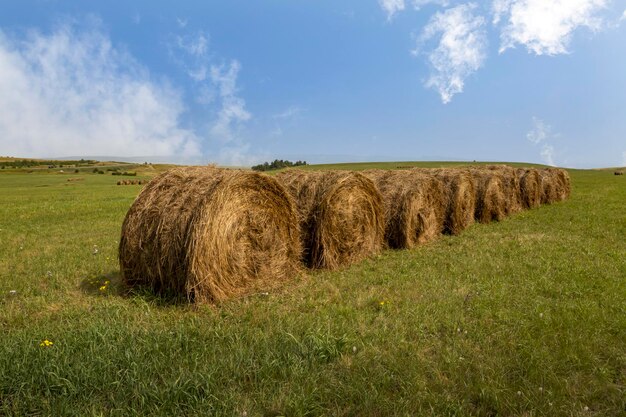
217 91
624 159
540 131
232 112
71 92
182 23
540 134
195 49
544 27
285 120
623 16
547 154
391 7
288 113
461 50
417 4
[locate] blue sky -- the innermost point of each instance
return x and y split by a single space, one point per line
239 82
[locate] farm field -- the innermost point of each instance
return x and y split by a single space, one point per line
524 317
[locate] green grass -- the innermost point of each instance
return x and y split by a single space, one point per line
522 317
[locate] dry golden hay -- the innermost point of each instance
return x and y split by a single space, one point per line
209 234
530 187
490 198
564 186
341 216
413 203
459 198
549 186
511 184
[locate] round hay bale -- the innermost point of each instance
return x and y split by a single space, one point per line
564 186
413 205
530 187
511 184
209 234
459 198
549 186
490 198
341 216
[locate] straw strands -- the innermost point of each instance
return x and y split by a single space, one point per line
340 213
490 198
414 206
530 187
460 198
209 234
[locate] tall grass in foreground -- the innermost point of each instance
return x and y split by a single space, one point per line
522 317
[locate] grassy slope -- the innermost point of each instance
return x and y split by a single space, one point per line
522 317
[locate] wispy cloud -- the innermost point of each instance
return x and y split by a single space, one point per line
72 92
461 51
540 134
216 88
547 154
285 119
182 23
232 112
288 113
545 27
391 7
192 53
418 4
624 159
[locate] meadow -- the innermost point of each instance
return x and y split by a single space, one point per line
523 317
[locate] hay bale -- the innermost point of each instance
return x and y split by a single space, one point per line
459 198
549 191
564 186
512 189
490 199
413 206
210 234
341 216
530 187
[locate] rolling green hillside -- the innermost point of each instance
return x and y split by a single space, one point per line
524 317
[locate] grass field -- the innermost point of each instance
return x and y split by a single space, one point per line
526 317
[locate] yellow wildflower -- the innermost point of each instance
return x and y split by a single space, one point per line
103 288
46 343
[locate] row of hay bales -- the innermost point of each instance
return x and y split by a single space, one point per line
132 182
209 234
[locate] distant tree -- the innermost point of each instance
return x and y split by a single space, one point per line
277 164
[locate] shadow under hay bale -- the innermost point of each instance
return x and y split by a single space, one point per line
459 196
530 187
511 187
413 205
210 234
341 216
490 198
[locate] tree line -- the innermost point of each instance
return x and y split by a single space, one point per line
277 164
